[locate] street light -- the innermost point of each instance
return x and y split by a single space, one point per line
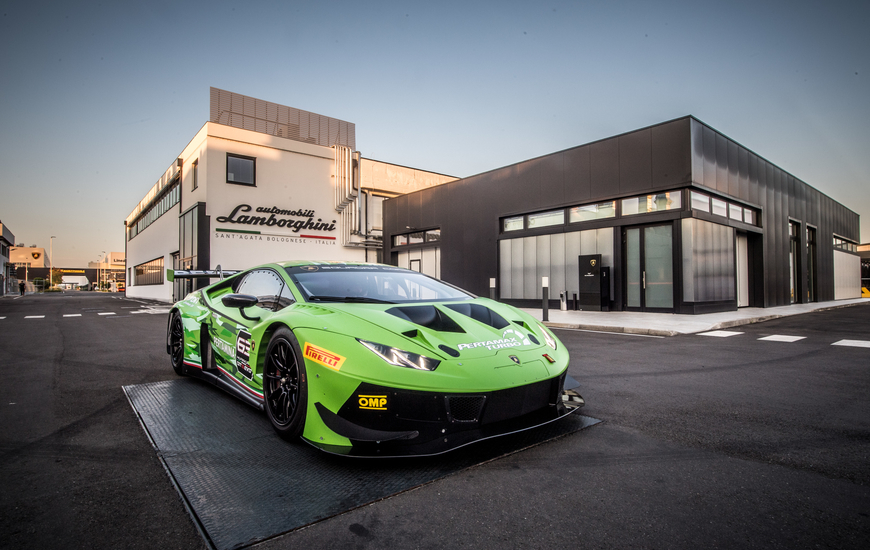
51 261
101 272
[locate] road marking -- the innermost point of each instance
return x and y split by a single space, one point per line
853 343
34 316
2 317
107 313
720 333
72 315
782 338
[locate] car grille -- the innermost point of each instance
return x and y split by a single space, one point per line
464 408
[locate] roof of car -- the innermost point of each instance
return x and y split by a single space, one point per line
297 263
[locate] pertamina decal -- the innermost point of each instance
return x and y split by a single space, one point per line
323 357
243 355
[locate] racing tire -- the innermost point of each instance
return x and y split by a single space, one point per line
285 384
175 339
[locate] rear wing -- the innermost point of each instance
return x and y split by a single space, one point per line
200 274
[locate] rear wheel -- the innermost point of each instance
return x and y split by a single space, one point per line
176 343
285 387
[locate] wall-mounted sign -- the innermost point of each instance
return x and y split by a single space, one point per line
276 217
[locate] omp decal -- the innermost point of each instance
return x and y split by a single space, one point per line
373 402
323 357
243 355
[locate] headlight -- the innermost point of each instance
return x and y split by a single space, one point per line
401 358
550 340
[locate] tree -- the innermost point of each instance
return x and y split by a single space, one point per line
56 278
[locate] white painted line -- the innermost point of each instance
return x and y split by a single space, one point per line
73 315
720 333
853 343
34 316
782 338
2 317
106 313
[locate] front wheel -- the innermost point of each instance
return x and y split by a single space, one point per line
175 339
285 387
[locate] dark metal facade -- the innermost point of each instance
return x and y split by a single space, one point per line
250 113
679 154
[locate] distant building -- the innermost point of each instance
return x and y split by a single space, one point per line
29 256
111 271
7 267
261 182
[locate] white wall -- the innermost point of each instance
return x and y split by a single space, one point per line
291 176
847 275
158 240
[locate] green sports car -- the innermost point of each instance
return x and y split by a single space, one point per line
371 360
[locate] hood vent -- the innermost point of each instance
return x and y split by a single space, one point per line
481 314
426 316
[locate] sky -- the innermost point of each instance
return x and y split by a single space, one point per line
98 98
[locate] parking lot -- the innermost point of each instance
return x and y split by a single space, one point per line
758 437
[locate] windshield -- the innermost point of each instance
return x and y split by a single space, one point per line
370 284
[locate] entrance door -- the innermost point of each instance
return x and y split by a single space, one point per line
649 263
742 270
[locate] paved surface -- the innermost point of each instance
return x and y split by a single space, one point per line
663 324
728 441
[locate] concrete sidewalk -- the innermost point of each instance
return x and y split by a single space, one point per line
667 324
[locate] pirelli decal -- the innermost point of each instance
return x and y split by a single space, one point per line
323 357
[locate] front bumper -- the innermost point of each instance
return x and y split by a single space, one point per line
387 422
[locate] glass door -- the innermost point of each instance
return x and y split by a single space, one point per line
649 264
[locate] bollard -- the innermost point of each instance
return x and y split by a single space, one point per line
492 289
563 301
545 291
575 302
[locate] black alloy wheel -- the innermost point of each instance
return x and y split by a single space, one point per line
176 344
284 384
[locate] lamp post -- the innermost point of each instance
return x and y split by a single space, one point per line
51 261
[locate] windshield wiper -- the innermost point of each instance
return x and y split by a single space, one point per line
349 299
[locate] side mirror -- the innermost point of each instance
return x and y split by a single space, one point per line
241 301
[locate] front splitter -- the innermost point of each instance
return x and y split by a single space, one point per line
243 484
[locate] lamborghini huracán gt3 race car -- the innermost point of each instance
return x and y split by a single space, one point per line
371 360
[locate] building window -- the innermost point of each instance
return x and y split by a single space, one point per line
159 207
545 219
720 207
592 212
845 245
700 202
241 170
194 175
735 212
417 237
150 273
652 203
513 224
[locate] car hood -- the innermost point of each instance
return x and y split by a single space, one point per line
468 329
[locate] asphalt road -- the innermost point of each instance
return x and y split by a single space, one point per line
715 442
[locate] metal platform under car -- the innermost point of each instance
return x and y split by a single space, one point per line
243 484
